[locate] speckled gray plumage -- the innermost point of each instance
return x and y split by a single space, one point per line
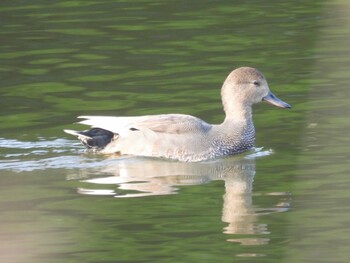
185 137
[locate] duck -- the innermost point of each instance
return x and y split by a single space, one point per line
182 137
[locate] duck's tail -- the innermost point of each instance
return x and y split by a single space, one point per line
95 138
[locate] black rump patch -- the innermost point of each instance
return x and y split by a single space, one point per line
96 138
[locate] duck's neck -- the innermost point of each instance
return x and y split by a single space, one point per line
238 128
238 113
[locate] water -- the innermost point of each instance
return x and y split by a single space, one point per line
285 201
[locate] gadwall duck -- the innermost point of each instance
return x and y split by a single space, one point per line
185 137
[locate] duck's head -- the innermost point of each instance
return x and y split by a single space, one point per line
247 86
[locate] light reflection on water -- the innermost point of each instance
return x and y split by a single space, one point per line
129 177
20 156
143 177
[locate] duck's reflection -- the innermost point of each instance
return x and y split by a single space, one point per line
145 177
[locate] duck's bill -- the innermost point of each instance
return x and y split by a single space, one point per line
272 99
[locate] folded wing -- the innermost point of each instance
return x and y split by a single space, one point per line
165 123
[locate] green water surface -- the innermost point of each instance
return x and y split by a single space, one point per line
287 200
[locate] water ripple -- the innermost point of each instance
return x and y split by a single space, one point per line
44 154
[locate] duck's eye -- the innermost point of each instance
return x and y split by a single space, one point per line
256 83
